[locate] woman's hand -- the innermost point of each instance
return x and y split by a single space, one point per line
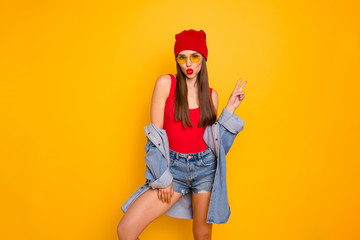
165 194
236 97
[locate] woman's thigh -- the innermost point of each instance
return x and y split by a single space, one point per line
201 203
143 211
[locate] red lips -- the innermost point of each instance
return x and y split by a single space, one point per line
189 71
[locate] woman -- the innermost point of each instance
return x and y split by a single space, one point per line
183 106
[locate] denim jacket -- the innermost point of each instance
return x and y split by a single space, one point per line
218 137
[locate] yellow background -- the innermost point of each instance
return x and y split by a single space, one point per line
76 84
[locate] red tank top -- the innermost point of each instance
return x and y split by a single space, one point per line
183 140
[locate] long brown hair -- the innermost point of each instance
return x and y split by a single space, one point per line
208 113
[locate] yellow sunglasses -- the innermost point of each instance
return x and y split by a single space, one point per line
193 58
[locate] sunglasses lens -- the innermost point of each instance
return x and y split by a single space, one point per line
195 58
181 59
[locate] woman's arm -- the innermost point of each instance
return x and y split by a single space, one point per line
158 100
215 99
159 97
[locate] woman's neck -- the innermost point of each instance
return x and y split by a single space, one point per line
191 83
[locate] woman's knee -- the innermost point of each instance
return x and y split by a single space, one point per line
125 232
202 233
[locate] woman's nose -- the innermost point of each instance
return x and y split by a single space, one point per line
188 61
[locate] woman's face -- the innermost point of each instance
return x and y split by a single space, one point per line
189 68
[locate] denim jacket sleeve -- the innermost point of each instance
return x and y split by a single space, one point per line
233 124
157 168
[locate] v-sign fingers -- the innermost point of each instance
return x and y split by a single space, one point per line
237 84
242 86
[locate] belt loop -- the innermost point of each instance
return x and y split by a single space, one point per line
199 155
177 156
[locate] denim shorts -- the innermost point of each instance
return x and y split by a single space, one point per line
193 171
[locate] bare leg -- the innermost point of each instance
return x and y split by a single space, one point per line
142 212
201 229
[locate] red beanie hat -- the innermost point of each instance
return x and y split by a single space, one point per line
191 40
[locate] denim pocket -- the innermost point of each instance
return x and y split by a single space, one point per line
172 161
208 159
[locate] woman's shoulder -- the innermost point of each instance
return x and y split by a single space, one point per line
214 93
215 98
163 83
165 78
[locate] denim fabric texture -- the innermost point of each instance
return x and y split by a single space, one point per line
218 137
193 172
